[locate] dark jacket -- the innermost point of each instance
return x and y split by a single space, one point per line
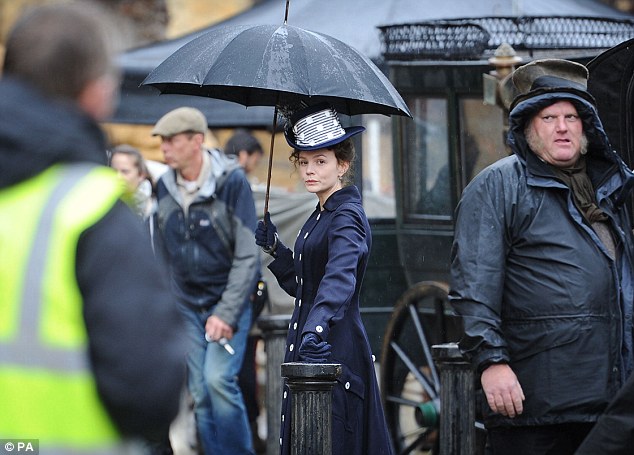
534 284
213 256
131 320
325 277
614 432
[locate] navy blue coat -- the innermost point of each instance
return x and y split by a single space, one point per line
324 274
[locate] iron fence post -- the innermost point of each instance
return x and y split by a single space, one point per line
457 401
274 330
310 387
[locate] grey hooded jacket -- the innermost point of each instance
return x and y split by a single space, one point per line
212 250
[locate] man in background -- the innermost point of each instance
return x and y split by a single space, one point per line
206 217
90 352
246 148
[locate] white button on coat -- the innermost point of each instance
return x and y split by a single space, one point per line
319 329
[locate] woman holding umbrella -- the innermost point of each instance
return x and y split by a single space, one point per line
324 273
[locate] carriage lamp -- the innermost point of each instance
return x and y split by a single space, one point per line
495 88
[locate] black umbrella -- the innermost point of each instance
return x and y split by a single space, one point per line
269 65
611 82
277 65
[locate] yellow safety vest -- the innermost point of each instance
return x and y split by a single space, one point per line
47 390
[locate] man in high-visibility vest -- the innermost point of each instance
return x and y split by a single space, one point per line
89 349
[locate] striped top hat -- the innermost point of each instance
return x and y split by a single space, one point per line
317 127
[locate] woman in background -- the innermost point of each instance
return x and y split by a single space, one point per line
130 165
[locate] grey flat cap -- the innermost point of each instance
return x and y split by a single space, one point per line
180 120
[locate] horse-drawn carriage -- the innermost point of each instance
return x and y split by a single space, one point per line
452 76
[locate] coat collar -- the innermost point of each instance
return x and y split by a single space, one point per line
346 194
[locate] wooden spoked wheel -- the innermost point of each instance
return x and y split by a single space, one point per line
410 385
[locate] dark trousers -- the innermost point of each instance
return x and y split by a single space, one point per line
560 439
248 379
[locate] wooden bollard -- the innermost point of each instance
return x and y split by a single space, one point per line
311 387
274 330
457 401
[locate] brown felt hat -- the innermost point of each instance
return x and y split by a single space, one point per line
550 76
181 120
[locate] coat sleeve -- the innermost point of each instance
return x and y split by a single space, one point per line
134 330
346 246
283 269
245 264
478 258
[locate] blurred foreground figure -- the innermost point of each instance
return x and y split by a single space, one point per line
88 354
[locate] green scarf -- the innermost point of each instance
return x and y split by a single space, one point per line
576 178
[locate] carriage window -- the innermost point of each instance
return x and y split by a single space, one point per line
426 159
481 136
378 178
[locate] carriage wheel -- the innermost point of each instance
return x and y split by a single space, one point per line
410 385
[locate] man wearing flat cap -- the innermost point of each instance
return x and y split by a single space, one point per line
206 216
541 268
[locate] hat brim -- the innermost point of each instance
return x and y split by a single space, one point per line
349 132
563 92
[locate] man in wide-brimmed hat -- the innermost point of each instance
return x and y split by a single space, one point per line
541 268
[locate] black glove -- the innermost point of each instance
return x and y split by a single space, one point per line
266 235
313 350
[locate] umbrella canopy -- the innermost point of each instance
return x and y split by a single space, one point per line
611 82
277 65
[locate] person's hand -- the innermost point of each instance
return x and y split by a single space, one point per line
502 389
216 328
313 350
266 235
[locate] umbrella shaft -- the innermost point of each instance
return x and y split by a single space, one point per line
268 177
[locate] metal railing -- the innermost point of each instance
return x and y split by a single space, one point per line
476 38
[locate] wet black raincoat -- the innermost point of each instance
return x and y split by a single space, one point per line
614 432
535 286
